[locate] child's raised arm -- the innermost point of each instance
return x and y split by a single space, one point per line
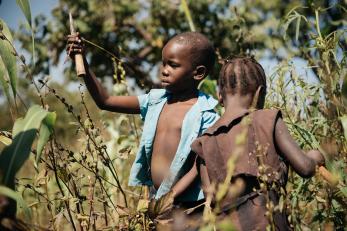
122 104
303 164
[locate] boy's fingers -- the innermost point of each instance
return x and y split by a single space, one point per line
72 36
74 46
77 50
75 43
74 40
73 50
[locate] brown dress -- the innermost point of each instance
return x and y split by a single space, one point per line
251 137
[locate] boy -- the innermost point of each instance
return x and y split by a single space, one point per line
173 116
262 158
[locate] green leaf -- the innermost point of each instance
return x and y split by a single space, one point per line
297 30
24 132
45 131
3 82
25 6
344 125
209 86
5 191
8 56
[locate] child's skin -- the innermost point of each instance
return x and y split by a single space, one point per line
179 76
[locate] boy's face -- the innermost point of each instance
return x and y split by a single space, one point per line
177 69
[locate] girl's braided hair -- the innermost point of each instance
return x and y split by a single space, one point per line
243 75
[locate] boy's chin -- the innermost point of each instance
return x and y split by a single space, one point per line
165 85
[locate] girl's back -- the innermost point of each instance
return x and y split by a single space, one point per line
250 136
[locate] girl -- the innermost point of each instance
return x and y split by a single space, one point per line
260 144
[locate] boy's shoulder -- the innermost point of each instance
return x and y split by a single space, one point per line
156 95
206 102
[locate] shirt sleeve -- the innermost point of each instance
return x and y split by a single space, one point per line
143 103
209 118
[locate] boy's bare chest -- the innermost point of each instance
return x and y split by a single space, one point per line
171 118
166 140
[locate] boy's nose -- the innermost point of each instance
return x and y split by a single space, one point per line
164 71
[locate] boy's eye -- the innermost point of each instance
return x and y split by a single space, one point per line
172 64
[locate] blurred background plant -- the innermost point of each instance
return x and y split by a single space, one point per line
80 180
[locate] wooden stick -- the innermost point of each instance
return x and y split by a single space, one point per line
78 57
146 192
328 176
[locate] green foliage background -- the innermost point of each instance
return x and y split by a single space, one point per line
83 171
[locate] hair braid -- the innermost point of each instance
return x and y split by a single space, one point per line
243 75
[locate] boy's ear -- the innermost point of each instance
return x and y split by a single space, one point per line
200 72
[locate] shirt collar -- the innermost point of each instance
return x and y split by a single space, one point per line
205 102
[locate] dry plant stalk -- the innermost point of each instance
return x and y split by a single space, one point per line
78 57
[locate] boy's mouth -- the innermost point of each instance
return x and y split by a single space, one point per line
164 81
164 84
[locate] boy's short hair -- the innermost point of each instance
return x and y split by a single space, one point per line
244 75
203 52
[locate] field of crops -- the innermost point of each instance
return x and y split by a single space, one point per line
66 163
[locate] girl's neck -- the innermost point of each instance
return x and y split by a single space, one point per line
237 104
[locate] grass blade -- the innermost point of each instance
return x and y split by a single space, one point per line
25 7
297 29
188 15
3 81
343 120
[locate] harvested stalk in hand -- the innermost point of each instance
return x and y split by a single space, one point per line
328 176
78 57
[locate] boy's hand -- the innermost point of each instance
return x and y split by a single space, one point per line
159 209
75 45
317 157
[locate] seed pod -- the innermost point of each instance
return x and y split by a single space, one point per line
22 58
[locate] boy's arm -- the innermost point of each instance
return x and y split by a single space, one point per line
122 104
303 164
205 179
185 181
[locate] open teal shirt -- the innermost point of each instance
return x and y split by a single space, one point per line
197 120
